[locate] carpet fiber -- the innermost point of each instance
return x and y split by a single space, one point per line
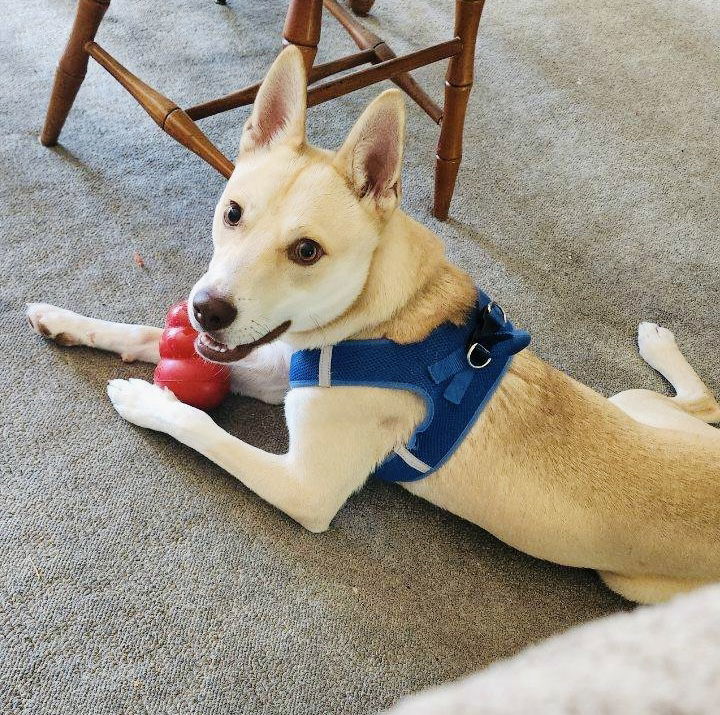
136 576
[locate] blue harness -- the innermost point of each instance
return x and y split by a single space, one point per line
456 370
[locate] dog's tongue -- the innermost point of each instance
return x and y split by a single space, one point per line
213 350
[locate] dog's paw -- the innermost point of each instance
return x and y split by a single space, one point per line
55 323
656 344
147 405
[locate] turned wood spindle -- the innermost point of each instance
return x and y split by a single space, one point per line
72 67
458 83
165 113
361 7
302 28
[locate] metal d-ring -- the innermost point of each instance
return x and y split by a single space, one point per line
469 356
492 304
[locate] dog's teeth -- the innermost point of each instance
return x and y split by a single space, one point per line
210 342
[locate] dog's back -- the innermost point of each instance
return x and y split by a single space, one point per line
557 470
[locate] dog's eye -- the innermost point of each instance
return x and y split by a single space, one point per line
305 252
232 215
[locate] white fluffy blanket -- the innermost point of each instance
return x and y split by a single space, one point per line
658 659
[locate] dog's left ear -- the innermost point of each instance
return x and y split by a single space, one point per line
371 157
280 106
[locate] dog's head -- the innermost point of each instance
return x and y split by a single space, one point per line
296 228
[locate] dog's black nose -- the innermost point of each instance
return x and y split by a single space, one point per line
212 311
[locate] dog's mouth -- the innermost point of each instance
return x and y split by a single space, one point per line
211 349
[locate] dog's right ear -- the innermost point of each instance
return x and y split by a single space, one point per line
279 111
371 157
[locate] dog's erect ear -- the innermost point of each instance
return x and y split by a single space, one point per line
371 157
280 106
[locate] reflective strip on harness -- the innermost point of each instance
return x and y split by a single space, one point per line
411 460
324 366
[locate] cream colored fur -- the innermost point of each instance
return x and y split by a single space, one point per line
629 486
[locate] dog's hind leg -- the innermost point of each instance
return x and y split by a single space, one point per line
131 342
656 410
648 589
691 409
659 350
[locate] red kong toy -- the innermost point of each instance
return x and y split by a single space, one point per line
191 378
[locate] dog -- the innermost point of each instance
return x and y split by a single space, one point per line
310 250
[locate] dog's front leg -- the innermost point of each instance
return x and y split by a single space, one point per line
334 445
263 374
131 342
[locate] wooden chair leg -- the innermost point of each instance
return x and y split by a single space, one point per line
361 7
165 113
71 69
458 83
302 27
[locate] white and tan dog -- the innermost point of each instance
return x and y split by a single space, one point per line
311 247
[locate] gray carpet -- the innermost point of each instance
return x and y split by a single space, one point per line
139 578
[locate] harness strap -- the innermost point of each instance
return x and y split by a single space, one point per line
455 371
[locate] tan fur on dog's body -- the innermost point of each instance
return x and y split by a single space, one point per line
555 469
628 486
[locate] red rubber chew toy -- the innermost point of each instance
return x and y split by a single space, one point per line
192 379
